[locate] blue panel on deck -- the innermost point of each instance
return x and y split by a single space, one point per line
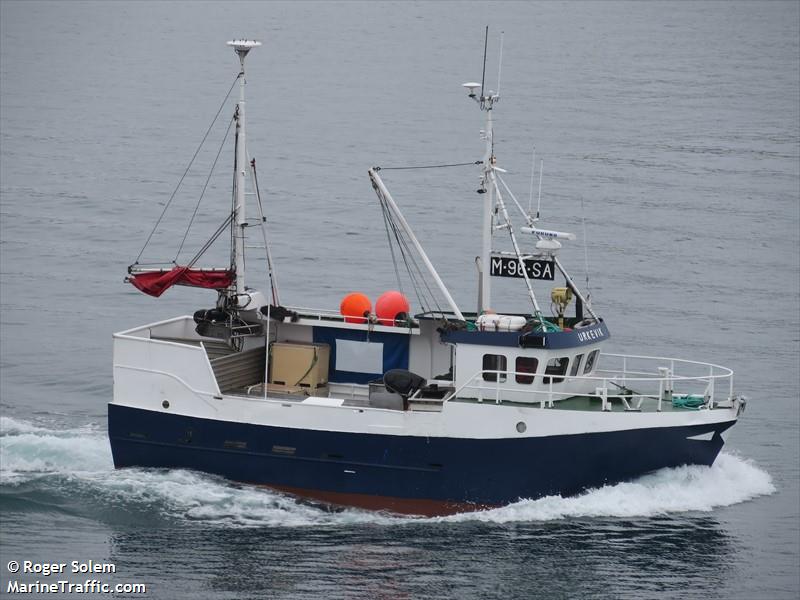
395 351
553 340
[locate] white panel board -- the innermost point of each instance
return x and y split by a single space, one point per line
359 357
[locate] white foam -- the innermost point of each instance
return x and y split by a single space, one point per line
729 480
27 451
82 458
11 426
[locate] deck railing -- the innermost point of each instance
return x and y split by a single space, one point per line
626 378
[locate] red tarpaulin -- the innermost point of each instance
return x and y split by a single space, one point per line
158 282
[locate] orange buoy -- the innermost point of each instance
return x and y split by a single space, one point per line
390 305
355 307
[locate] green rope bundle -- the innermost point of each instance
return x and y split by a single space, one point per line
688 401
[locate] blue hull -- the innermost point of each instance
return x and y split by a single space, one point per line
401 473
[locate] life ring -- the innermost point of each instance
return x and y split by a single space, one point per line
585 323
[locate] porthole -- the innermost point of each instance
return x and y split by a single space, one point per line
521 427
165 404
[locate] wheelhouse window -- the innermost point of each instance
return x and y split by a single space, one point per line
576 365
556 366
494 362
590 360
525 364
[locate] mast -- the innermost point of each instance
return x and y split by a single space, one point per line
494 208
241 47
488 184
488 189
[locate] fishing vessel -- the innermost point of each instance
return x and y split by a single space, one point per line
424 411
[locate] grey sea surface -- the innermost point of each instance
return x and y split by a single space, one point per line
671 128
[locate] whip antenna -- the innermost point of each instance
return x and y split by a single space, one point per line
485 46
585 253
533 173
539 201
500 62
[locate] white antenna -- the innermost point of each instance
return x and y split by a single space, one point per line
586 255
533 172
487 98
500 63
485 46
539 202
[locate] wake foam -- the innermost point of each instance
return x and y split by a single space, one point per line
28 451
729 480
77 462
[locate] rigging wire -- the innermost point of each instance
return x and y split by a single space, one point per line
514 198
189 166
429 299
465 164
423 301
233 189
211 240
205 186
517 251
273 278
404 253
391 247
425 296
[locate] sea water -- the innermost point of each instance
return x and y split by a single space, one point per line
670 136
